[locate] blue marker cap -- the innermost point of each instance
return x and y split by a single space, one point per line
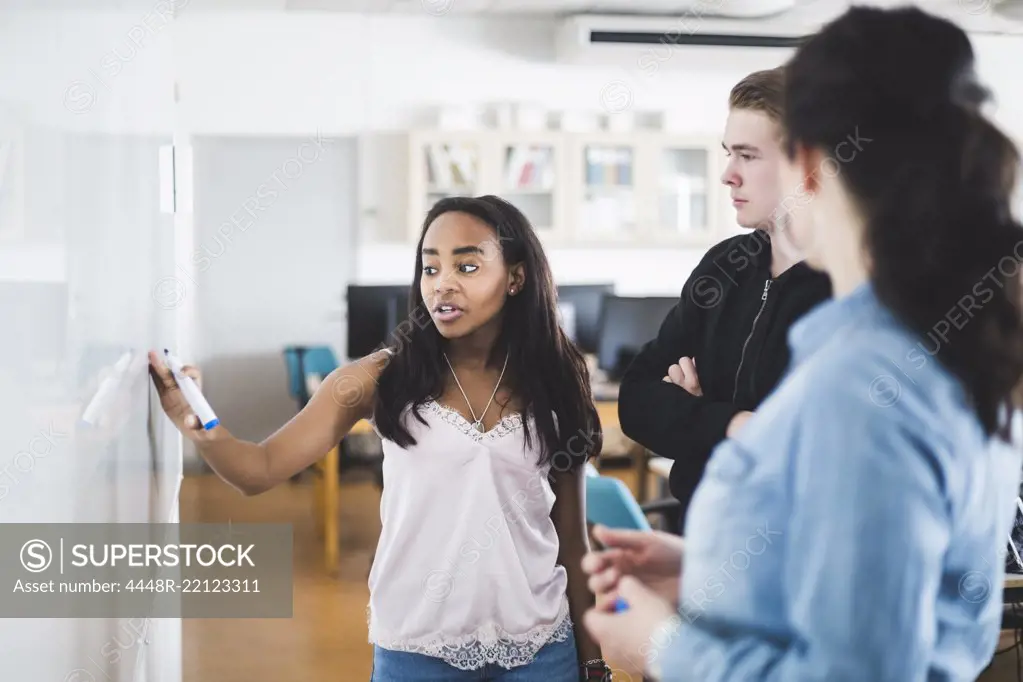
621 605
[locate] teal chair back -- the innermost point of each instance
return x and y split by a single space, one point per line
610 503
302 361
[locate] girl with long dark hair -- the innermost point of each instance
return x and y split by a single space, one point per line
855 527
486 417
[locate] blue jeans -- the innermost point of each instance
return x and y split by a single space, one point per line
554 662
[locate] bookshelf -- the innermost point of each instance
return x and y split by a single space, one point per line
532 177
687 185
638 188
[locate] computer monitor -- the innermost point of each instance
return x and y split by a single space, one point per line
375 311
584 301
397 310
626 324
371 313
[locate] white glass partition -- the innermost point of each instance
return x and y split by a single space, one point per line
87 253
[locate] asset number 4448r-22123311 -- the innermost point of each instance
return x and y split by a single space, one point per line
193 585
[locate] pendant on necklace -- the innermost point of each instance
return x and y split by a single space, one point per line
479 426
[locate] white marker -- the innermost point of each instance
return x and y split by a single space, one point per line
191 392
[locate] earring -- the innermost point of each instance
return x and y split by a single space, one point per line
512 291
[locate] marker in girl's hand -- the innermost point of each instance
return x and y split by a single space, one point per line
191 392
620 605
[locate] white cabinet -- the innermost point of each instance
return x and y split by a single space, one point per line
593 189
442 165
532 177
605 191
686 186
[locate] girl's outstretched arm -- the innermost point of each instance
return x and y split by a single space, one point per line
345 396
569 516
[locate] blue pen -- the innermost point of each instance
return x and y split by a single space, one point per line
621 605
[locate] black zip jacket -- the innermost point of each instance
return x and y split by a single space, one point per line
733 319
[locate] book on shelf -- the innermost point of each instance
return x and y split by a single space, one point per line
464 166
439 166
529 168
608 167
450 167
514 163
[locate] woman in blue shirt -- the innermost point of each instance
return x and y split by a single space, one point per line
854 529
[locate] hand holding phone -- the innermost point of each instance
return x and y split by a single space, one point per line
652 557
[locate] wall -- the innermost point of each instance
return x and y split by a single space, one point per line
270 276
405 67
267 73
635 271
296 73
377 75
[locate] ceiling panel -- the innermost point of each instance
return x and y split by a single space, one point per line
549 6
545 7
441 7
969 13
361 6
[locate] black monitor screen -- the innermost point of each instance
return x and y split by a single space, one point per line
372 311
397 312
585 301
626 324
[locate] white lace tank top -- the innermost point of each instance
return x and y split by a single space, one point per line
466 567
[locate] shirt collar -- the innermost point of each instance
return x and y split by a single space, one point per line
822 323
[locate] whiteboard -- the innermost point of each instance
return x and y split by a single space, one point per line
84 245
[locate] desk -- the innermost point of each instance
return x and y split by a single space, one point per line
328 497
328 489
607 413
648 463
1012 595
1013 592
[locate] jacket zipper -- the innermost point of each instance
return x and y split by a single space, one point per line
742 358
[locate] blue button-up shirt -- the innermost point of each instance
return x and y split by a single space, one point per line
855 529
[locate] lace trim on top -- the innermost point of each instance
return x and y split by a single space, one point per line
507 425
489 644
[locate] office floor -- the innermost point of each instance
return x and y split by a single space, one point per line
1005 667
325 641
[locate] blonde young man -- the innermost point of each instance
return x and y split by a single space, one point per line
724 347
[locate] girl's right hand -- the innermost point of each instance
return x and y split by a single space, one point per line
173 400
652 557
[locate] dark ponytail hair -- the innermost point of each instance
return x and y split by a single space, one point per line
935 185
548 372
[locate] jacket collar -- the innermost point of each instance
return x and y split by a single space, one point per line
758 246
760 256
